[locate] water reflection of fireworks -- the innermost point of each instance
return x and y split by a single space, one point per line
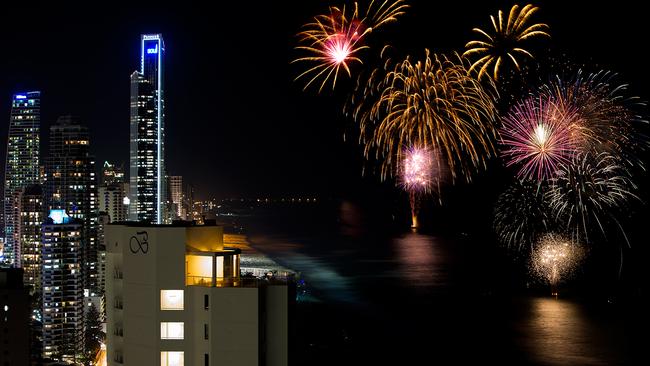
555 259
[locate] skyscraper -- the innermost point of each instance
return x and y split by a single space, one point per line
147 155
176 193
21 167
71 186
31 219
63 292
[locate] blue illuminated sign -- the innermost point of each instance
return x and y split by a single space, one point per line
59 216
152 50
19 96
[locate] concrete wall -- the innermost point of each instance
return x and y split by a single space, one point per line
234 326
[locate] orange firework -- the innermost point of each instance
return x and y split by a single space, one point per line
505 43
333 41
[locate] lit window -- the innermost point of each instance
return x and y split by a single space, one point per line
172 330
171 299
175 358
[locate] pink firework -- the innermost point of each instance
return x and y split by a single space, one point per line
420 172
338 47
537 135
417 173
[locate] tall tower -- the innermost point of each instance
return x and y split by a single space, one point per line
71 186
21 167
147 156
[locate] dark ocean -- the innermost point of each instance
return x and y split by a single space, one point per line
378 293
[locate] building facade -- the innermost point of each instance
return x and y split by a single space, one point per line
21 166
112 174
176 194
147 152
62 284
175 297
31 220
71 186
112 201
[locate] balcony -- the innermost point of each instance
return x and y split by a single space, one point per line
212 269
212 282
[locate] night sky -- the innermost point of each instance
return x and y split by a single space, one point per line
237 124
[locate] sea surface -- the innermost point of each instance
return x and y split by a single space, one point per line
378 293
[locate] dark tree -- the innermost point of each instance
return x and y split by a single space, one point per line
94 335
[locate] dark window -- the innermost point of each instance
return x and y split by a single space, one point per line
206 359
205 331
206 302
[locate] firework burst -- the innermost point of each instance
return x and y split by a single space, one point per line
521 214
333 41
432 102
589 190
420 173
505 44
555 258
417 170
537 136
607 120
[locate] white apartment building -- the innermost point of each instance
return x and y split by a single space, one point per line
175 297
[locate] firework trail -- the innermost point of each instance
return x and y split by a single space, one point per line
505 43
333 41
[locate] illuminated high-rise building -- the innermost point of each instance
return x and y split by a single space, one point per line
176 193
71 186
147 153
62 284
113 193
21 167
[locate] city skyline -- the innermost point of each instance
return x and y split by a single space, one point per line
189 186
